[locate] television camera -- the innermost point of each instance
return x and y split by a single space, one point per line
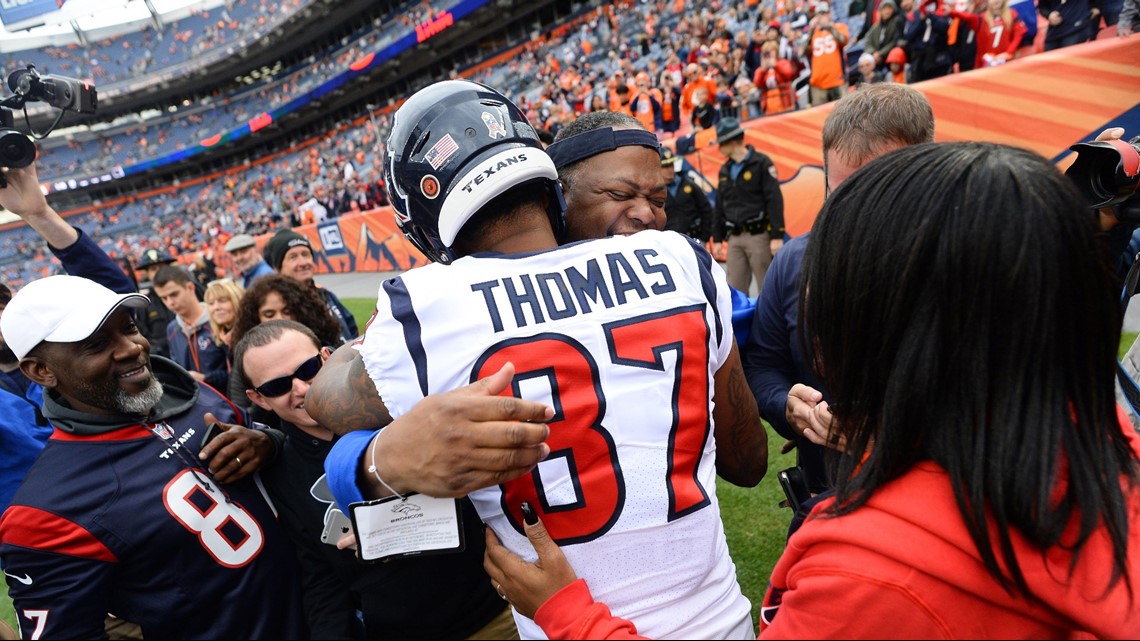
27 85
1108 175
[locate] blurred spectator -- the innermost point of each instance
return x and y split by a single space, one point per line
242 248
926 33
774 80
999 31
824 53
705 114
191 342
961 37
896 66
1129 18
645 104
670 104
544 136
154 321
222 299
885 33
865 72
748 98
291 254
203 268
1069 21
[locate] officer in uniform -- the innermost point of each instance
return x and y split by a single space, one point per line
687 208
154 319
749 209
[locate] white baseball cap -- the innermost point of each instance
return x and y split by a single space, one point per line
61 309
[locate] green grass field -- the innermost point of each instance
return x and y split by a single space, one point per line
753 521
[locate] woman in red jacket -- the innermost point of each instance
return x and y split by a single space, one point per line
992 487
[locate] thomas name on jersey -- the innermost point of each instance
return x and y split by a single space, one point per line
558 295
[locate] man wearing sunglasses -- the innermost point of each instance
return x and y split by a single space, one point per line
402 599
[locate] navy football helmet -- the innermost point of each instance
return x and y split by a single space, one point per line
454 146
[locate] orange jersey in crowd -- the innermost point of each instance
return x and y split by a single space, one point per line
641 106
827 58
775 84
687 92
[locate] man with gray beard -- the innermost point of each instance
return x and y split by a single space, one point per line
126 511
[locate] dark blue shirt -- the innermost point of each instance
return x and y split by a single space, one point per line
773 358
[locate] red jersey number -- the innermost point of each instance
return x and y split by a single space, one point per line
582 442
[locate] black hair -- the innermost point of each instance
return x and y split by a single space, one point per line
502 211
303 302
963 311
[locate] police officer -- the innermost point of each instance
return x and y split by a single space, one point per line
749 208
687 208
153 321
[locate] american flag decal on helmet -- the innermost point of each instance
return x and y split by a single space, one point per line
441 151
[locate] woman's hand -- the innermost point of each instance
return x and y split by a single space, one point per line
528 585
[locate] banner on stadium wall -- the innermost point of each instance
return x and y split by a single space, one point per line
359 242
25 14
1045 102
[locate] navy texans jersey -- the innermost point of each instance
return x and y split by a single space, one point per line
127 522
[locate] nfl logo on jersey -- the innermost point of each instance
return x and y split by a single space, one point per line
163 431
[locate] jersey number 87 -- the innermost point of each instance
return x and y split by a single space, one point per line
577 434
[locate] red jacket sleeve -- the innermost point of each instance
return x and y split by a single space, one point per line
1017 32
970 18
572 613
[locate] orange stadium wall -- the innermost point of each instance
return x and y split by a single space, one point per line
360 242
1045 102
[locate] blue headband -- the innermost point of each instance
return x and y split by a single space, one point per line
587 144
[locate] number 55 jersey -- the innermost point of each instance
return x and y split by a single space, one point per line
622 337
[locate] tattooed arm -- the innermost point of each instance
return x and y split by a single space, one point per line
448 444
741 442
343 397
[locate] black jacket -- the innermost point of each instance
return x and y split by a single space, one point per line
153 322
687 209
753 197
428 597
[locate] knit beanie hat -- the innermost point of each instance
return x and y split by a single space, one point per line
281 243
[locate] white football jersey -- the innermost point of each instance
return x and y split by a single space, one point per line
622 337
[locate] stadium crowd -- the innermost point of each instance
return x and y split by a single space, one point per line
679 67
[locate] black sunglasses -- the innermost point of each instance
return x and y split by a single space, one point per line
278 386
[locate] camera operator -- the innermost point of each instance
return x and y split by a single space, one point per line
1120 227
1120 224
